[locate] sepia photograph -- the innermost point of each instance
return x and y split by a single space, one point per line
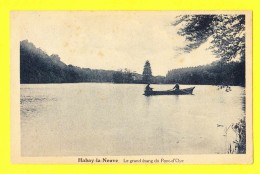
131 87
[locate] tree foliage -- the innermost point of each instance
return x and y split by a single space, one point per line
147 73
36 66
216 73
125 76
240 130
226 34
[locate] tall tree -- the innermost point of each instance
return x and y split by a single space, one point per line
147 73
226 34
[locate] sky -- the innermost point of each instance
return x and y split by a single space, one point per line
110 40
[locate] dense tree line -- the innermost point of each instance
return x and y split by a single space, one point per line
123 76
127 76
216 73
38 67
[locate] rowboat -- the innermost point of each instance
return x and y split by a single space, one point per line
186 91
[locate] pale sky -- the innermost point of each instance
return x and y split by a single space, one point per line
110 40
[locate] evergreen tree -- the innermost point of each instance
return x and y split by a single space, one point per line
147 73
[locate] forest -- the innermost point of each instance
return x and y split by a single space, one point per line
216 73
226 37
36 66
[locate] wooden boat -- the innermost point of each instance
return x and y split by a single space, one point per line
186 91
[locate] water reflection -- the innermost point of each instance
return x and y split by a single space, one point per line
176 97
147 100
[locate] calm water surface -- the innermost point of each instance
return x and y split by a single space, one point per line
116 119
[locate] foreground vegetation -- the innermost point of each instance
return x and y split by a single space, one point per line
240 143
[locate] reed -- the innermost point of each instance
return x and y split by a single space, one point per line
240 142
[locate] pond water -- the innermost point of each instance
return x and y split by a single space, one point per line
84 119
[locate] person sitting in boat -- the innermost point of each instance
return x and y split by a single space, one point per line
177 86
148 88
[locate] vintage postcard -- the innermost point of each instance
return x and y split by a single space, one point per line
131 87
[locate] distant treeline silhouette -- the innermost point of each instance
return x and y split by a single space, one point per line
216 73
36 66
